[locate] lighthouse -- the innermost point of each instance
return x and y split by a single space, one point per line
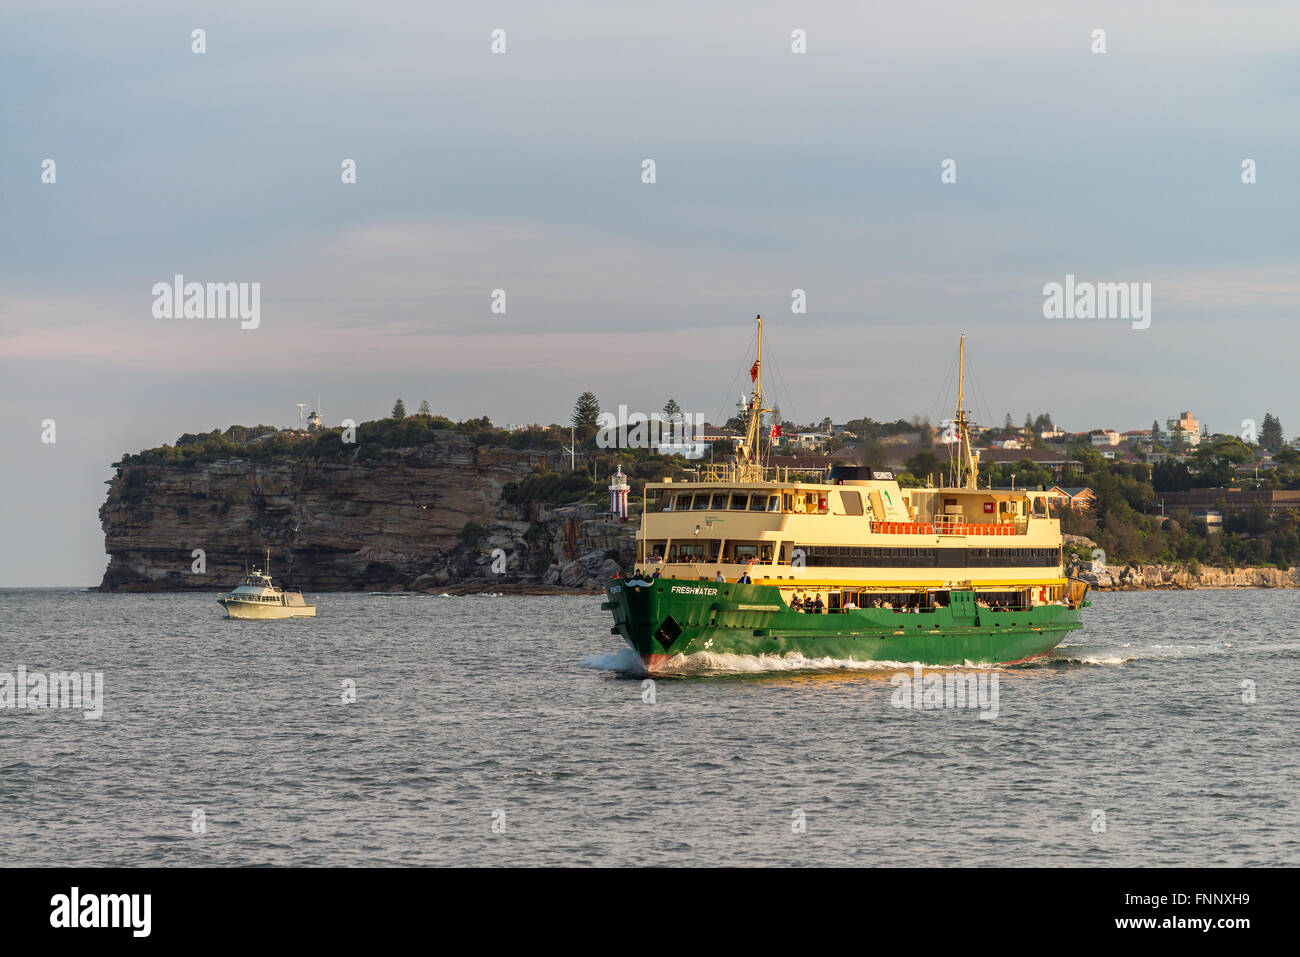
618 489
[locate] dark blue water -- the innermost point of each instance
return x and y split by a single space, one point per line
475 709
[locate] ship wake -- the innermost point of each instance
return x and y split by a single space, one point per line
708 663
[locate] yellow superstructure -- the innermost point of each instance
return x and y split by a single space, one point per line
857 536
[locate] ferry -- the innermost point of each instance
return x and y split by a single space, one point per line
749 559
257 598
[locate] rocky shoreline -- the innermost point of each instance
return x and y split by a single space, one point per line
1181 578
438 519
435 519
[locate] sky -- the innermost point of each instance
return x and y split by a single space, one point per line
523 171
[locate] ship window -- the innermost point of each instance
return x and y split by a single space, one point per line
739 503
720 500
683 502
789 502
757 503
852 502
774 503
701 502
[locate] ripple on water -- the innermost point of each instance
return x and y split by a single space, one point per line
525 713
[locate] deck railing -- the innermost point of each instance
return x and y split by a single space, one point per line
948 528
739 474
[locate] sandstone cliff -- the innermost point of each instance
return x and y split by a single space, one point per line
1127 577
426 519
1145 577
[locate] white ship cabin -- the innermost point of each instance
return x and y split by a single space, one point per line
859 522
257 586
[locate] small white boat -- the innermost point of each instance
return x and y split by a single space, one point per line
257 597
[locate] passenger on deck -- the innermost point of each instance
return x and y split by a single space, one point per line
655 574
818 605
719 577
744 578
796 604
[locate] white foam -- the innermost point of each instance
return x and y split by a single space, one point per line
707 662
1099 659
625 659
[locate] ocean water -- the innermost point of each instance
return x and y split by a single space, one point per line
499 730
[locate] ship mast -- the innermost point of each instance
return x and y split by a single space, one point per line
749 468
967 469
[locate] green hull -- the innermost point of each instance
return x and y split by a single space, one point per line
665 617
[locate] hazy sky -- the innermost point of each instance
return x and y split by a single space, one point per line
522 171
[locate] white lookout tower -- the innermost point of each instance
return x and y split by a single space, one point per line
618 490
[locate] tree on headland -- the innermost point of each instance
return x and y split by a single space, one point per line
671 410
399 410
1216 461
1270 434
586 411
1156 438
873 453
424 407
1027 433
924 465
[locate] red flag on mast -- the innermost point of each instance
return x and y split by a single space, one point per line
776 431
753 371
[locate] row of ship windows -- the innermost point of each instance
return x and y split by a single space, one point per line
931 557
720 501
